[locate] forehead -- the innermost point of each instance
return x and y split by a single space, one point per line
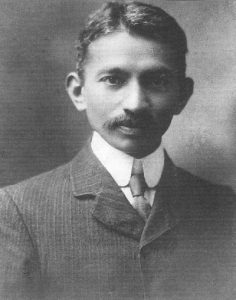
128 52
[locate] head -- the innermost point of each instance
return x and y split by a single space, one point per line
130 75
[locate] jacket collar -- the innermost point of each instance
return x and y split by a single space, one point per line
89 177
86 173
121 171
168 207
111 208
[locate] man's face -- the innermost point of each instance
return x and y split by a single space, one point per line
131 91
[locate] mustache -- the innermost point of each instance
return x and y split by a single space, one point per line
140 120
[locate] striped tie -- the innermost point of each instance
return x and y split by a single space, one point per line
138 186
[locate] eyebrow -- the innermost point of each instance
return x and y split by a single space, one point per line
153 70
111 71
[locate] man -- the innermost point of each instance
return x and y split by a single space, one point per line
121 221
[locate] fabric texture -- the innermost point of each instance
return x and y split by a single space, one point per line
138 186
71 234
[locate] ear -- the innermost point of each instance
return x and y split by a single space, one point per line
75 91
185 94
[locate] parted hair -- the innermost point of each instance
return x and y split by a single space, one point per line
136 18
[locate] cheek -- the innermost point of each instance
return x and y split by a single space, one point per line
102 104
166 102
98 111
93 101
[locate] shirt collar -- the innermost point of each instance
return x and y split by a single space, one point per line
119 164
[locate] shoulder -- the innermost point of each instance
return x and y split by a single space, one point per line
41 183
50 191
35 197
29 207
196 189
202 186
205 197
45 193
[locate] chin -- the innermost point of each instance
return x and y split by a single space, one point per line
137 149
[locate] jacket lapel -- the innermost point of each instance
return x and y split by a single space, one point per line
90 179
168 206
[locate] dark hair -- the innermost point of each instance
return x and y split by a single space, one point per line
137 18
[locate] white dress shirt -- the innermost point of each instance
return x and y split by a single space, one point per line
119 165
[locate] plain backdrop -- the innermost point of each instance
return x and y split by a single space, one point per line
40 128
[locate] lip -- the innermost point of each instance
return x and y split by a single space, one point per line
133 131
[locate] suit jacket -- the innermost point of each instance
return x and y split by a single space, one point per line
71 234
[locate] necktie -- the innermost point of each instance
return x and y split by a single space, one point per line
138 186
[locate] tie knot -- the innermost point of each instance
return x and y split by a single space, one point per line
137 181
137 167
137 185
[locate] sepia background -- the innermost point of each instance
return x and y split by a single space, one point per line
40 128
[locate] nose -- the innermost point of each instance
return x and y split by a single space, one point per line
136 98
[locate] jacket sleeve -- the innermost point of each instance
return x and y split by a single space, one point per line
19 263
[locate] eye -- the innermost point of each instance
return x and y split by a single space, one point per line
162 80
158 81
113 80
